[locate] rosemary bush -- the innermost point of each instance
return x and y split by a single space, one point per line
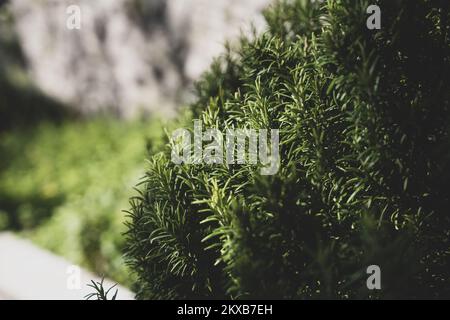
364 144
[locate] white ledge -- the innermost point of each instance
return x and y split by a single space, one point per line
28 272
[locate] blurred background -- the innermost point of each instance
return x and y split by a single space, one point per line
80 110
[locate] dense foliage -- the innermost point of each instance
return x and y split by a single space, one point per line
364 132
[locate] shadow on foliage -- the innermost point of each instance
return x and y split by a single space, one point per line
19 213
21 104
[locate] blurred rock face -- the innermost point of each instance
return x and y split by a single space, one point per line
129 55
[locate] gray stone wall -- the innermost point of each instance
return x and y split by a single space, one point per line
129 55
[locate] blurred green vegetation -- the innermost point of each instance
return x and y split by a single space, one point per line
65 186
65 180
